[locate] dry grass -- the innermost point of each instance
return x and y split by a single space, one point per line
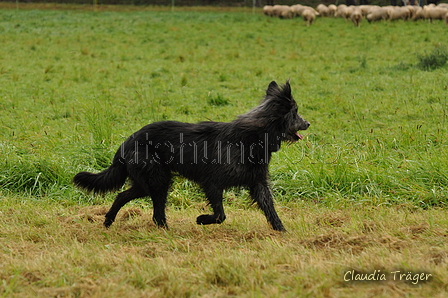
49 250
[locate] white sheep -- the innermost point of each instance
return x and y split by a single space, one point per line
323 10
366 9
434 13
276 10
355 15
313 10
309 16
418 14
283 11
377 15
398 12
341 11
268 10
286 13
297 9
332 9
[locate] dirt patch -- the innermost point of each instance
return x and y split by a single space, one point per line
339 241
92 214
129 214
438 257
333 219
32 276
353 243
85 287
392 243
369 227
77 226
95 214
417 229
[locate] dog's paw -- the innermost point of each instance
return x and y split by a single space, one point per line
279 227
108 222
207 219
161 223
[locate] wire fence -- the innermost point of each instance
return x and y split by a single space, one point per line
223 3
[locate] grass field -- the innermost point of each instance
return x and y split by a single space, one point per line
366 190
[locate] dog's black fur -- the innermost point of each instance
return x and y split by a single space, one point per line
216 155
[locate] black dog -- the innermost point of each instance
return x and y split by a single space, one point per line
216 155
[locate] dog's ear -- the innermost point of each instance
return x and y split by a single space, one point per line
286 90
272 88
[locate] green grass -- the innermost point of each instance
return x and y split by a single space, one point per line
366 189
435 59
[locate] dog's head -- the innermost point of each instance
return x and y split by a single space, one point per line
283 111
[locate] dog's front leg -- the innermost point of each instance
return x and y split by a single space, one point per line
214 196
261 194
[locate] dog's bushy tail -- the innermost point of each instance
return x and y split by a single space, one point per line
110 179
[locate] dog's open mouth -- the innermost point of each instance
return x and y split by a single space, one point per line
294 136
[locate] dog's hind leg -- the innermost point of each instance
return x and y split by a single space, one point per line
159 191
159 182
122 198
261 194
155 181
214 196
159 203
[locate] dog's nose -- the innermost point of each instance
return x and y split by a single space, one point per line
307 124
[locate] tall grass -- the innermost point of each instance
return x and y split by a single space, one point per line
436 58
76 84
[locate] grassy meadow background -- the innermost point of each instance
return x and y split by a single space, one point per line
367 189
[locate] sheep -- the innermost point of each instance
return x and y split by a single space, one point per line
283 11
323 10
418 14
366 9
396 13
377 15
309 16
341 11
434 13
286 13
313 10
268 10
332 9
356 16
276 10
348 12
356 13
297 9
411 9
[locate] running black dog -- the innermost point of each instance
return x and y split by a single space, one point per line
216 155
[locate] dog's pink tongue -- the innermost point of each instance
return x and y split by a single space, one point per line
299 136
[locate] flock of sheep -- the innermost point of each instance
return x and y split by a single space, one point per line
356 13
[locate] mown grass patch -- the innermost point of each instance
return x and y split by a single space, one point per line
54 250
